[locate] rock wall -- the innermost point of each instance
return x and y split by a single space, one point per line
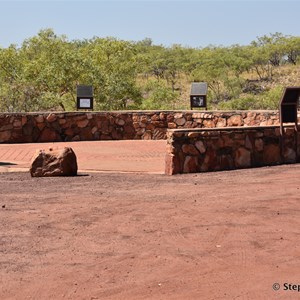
202 150
76 126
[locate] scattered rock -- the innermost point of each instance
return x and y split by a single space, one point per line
60 162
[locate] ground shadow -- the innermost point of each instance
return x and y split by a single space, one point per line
7 164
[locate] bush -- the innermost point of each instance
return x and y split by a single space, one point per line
159 96
239 104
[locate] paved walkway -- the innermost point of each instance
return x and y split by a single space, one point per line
106 156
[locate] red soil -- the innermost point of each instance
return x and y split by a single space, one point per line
225 235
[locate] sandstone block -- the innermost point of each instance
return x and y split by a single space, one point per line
242 158
271 154
210 161
188 124
170 117
196 115
5 136
6 127
251 114
200 146
135 118
147 135
209 124
51 118
189 149
289 155
221 122
208 116
140 131
75 138
24 120
62 121
155 118
136 125
94 130
48 135
40 126
178 115
120 122
180 121
159 134
60 162
259 144
17 124
190 164
150 126
193 134
39 119
172 125
162 116
235 120
82 123
144 119
248 142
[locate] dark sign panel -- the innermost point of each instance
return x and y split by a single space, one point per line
85 98
198 101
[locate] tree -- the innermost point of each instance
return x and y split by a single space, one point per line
292 49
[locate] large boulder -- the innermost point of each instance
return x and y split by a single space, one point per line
58 162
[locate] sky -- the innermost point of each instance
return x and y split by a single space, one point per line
197 23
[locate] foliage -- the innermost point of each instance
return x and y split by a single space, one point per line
159 96
267 100
43 72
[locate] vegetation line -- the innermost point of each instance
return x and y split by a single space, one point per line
43 72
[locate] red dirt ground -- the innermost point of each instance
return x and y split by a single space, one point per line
223 235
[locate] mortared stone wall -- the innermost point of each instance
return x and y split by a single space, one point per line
87 126
203 150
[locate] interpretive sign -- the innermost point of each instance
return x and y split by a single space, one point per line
85 97
198 94
289 106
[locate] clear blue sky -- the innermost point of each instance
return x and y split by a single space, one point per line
189 23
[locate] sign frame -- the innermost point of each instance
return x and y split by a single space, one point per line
198 95
288 110
85 98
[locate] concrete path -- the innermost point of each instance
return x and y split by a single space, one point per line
107 156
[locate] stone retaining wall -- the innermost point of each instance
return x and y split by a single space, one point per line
202 150
84 126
